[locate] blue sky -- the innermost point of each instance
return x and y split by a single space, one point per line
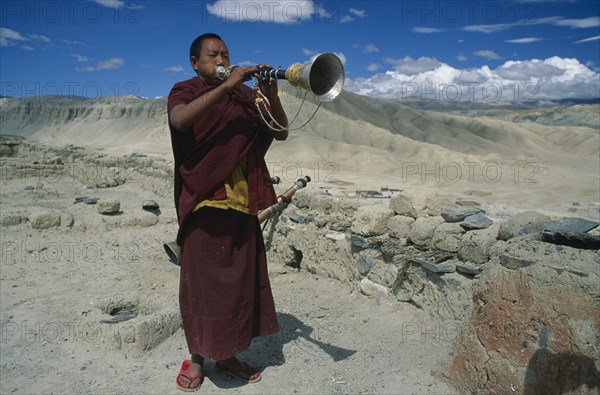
456 50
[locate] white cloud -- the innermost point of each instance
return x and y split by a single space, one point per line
309 52
586 40
111 3
80 58
353 12
550 79
358 13
472 76
283 11
173 69
116 4
374 67
462 58
486 53
427 30
410 66
109 64
487 29
527 70
323 12
592 21
524 40
39 37
10 37
367 48
72 42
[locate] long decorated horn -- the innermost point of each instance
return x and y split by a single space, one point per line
324 76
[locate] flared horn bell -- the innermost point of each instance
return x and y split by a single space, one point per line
324 76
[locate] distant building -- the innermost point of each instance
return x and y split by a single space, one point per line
384 193
368 194
390 192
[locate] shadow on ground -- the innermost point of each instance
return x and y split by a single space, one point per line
267 351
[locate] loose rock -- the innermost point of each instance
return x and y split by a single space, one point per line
44 220
446 237
458 215
371 220
572 239
108 206
444 267
150 205
369 288
416 203
477 221
422 229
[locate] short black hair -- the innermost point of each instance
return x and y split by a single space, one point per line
197 44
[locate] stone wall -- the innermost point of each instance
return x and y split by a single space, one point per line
524 291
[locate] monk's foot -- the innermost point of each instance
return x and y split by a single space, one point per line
239 370
190 376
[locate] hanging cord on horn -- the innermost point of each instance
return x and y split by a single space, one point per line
262 98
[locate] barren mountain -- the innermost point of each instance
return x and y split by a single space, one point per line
370 143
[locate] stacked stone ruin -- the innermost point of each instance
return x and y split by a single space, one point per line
498 288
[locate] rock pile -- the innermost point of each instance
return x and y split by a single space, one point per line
414 249
527 309
47 167
26 161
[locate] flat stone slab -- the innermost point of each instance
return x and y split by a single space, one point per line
361 242
572 239
476 221
85 199
458 215
445 267
533 222
512 262
467 268
569 224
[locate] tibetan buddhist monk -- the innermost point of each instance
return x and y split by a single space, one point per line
219 142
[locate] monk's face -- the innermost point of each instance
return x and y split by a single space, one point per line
213 53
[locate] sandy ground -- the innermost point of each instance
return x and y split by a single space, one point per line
56 284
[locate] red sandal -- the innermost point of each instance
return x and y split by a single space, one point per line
246 374
185 382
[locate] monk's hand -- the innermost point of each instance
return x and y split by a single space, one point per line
268 86
238 76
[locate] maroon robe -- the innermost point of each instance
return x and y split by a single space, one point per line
208 153
225 296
